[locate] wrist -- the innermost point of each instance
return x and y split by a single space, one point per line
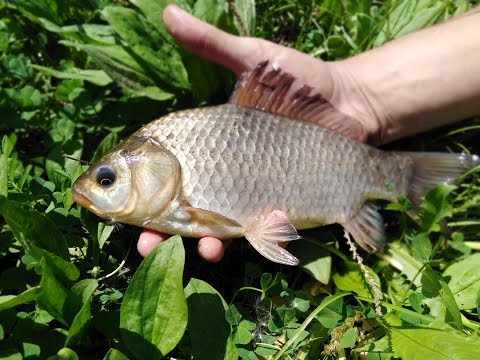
415 83
352 96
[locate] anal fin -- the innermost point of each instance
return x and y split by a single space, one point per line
266 236
367 228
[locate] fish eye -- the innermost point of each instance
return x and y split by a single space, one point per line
105 176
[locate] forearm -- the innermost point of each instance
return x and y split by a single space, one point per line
420 81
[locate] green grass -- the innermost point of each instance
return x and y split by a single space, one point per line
75 287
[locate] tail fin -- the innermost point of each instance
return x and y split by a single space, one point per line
431 169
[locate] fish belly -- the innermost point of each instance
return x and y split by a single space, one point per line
244 163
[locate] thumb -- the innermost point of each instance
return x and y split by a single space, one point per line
210 43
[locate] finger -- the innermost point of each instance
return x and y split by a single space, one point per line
208 42
149 240
211 249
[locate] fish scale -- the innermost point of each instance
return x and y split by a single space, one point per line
241 162
260 166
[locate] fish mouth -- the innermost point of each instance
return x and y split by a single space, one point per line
80 198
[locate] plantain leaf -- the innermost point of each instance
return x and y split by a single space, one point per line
153 11
8 301
97 77
153 52
153 315
419 343
5 151
53 295
246 11
40 237
211 11
48 9
124 69
84 33
210 339
77 309
65 354
408 16
33 229
114 354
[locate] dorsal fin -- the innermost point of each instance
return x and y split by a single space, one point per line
269 92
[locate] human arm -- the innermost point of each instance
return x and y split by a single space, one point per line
412 84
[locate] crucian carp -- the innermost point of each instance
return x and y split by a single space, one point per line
260 167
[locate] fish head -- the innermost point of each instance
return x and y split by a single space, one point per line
132 183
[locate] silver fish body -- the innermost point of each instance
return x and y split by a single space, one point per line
242 163
260 167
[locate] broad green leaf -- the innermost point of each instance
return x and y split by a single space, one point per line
77 309
421 247
8 301
30 351
97 77
453 316
463 278
65 354
6 149
124 69
423 343
114 354
351 279
272 285
10 354
157 57
39 236
400 258
433 286
204 77
106 144
211 11
349 338
232 315
332 315
84 33
153 315
104 232
408 16
246 11
153 11
64 269
48 9
27 98
32 228
436 207
243 333
210 339
53 294
17 65
314 260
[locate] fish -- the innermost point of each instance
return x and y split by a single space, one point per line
268 163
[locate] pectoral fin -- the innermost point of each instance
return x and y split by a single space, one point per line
208 223
208 218
367 228
266 235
